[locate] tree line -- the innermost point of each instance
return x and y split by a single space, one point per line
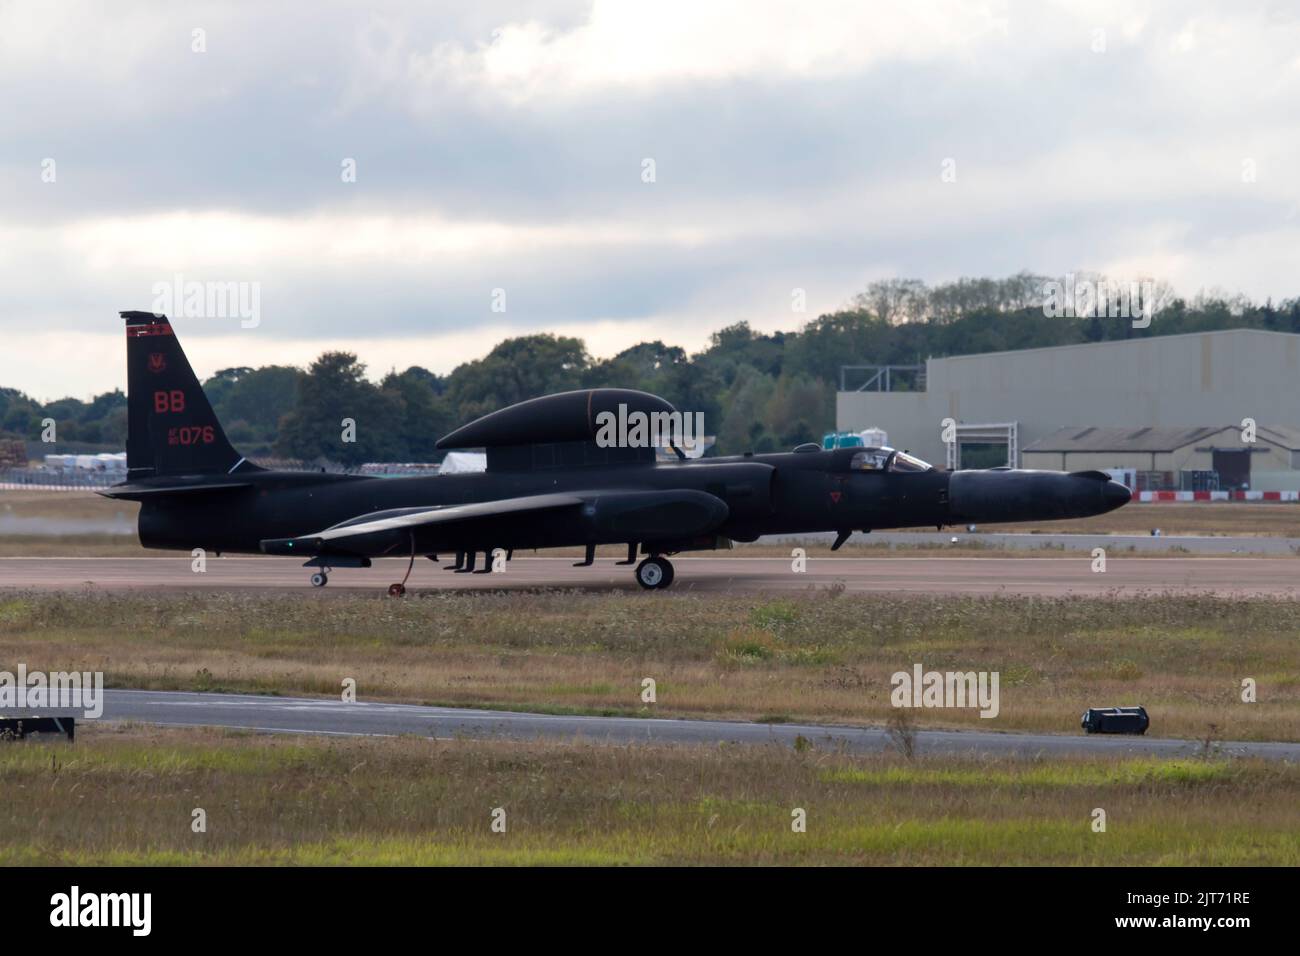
758 391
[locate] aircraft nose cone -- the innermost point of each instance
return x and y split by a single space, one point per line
1015 495
1115 495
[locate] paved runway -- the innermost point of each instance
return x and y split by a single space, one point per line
1208 544
301 715
1263 576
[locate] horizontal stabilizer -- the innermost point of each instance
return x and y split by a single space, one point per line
141 490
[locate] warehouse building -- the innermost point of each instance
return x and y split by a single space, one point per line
1205 458
1190 393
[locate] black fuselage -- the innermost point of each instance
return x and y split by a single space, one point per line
764 494
559 474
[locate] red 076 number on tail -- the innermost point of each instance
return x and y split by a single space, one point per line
191 435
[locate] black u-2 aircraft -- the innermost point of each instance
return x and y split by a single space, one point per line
549 483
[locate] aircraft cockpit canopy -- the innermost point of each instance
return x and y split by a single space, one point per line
886 459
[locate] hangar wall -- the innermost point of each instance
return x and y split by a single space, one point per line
1266 457
1206 378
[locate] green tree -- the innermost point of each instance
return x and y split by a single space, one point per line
256 398
516 370
743 428
426 415
334 392
648 366
798 410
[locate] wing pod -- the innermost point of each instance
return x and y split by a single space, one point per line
651 515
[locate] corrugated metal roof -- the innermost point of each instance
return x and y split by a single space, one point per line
1279 337
1077 438
1288 436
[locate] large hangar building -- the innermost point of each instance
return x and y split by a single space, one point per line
1169 409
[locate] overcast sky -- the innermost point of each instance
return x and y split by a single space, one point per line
503 145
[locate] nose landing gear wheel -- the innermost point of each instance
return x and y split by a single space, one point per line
654 573
396 590
320 579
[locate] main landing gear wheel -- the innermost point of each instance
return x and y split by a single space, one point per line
654 573
396 590
320 579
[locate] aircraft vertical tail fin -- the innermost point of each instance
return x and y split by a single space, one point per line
171 428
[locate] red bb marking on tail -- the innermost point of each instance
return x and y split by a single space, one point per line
164 402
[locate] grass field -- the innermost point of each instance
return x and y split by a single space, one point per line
820 656
48 523
128 795
65 505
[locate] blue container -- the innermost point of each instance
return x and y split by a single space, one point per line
841 440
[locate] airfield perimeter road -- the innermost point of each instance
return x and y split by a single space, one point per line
1255 576
307 716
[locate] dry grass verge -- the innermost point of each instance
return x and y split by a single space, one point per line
127 796
820 656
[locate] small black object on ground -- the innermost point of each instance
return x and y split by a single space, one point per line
20 728
1115 720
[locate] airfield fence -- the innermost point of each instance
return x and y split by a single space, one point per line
28 479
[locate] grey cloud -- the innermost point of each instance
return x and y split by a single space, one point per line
260 123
